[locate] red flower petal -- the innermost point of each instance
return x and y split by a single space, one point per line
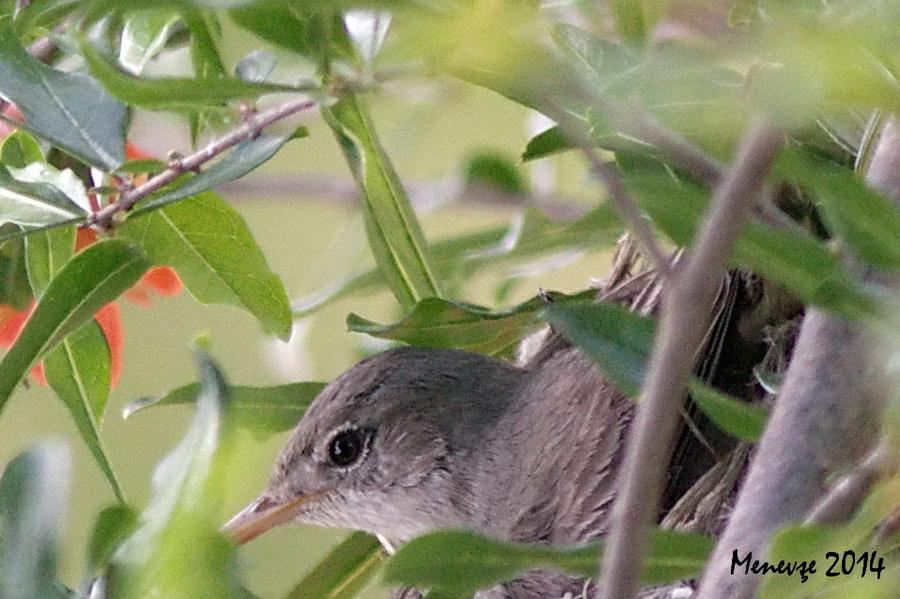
163 280
132 152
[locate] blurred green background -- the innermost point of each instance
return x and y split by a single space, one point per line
305 238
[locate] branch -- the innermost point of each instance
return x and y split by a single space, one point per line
827 414
685 318
252 126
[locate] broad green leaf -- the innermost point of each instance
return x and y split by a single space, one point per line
263 410
46 252
34 204
434 322
494 170
171 93
19 150
32 498
209 244
14 288
546 143
461 562
114 524
78 370
87 282
178 551
617 339
867 221
242 159
65 180
344 571
395 236
743 420
71 110
144 35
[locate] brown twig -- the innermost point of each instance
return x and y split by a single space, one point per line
685 317
252 126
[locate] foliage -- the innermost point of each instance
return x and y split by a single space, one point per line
619 85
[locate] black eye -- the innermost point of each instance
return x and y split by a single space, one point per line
347 447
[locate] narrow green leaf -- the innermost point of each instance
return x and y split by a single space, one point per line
674 556
114 524
614 337
71 110
34 204
32 498
435 322
244 158
395 236
266 410
171 93
495 170
343 572
46 252
743 420
546 143
210 246
91 279
14 288
19 150
43 13
298 28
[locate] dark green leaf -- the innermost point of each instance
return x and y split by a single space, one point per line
617 339
34 204
19 150
266 410
741 419
46 252
210 246
93 278
244 158
71 110
14 288
343 572
395 236
32 497
171 93
435 322
546 143
113 525
291 26
496 171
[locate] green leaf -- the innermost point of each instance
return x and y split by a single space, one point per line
395 236
144 35
19 150
265 410
242 159
460 562
171 93
546 143
90 280
14 288
70 110
630 21
256 66
34 204
743 420
435 322
43 13
178 550
209 244
114 524
46 252
343 572
295 27
496 171
32 497
614 337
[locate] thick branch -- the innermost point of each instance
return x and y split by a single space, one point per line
686 314
827 415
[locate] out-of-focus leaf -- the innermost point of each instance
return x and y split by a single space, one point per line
244 158
43 13
19 150
494 170
617 339
34 204
256 66
32 498
395 236
114 524
743 420
343 572
435 322
460 562
177 551
546 143
211 247
299 28
71 110
367 30
171 93
14 288
144 34
263 410
91 279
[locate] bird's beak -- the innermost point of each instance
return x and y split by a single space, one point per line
262 515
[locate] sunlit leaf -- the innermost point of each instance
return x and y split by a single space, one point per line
395 236
32 498
114 524
210 246
144 34
34 204
496 171
264 410
71 110
19 150
91 279
344 571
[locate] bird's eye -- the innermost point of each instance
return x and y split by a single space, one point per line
347 447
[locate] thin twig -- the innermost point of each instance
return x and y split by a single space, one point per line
250 128
847 494
686 313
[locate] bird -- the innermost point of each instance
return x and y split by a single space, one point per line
414 440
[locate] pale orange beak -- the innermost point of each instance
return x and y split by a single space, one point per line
262 515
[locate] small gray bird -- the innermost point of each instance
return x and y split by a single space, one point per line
413 440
